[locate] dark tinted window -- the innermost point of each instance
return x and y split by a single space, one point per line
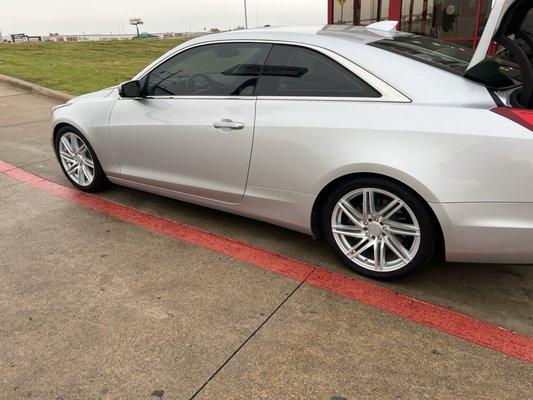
213 70
296 71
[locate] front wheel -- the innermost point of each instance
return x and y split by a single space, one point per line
378 228
78 160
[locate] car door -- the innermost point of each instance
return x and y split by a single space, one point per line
304 97
192 130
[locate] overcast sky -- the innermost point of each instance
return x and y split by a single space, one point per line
39 17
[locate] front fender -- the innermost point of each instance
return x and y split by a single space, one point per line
91 118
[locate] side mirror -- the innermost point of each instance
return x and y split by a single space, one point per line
130 89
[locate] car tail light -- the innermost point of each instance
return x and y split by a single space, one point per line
518 115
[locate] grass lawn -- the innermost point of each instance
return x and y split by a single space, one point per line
80 67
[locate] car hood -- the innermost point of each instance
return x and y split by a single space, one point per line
101 94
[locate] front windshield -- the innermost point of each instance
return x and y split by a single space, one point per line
452 58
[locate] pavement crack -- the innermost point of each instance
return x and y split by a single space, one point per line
16 94
29 164
324 259
24 123
214 374
20 167
36 162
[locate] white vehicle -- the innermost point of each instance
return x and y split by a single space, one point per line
387 144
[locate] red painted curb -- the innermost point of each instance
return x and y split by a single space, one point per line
439 318
5 166
433 316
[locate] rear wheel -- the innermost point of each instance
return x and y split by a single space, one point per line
78 160
378 228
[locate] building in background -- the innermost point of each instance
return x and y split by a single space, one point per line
56 37
459 21
23 38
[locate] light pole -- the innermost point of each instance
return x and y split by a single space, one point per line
136 22
245 16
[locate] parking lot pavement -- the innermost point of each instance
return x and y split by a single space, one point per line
331 348
94 307
89 304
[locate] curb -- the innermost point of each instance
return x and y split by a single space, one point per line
36 89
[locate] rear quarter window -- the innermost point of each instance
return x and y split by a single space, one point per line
300 72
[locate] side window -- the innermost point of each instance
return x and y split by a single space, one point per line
297 71
230 69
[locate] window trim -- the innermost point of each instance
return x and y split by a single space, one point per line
388 93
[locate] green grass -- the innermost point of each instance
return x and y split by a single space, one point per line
80 67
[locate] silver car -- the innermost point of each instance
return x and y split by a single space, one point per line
388 145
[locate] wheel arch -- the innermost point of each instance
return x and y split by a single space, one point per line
55 131
328 189
63 124
67 123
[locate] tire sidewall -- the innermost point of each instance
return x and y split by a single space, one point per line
99 179
427 230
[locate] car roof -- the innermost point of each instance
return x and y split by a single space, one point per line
348 32
351 42
307 34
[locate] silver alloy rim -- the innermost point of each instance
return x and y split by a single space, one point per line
376 229
76 159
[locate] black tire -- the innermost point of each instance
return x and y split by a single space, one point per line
99 180
427 238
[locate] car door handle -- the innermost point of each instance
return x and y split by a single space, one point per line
225 124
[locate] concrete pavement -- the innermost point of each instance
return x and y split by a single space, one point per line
91 307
